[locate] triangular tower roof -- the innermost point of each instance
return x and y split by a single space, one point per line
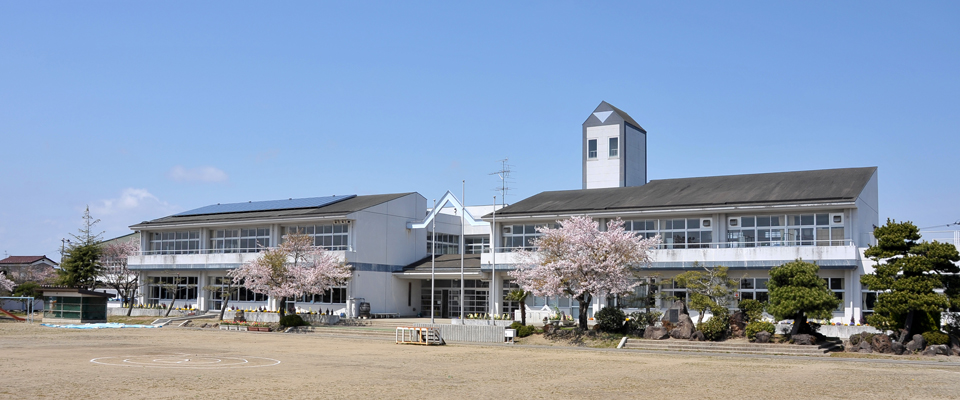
606 109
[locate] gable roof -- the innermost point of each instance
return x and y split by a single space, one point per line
604 106
343 207
819 186
22 260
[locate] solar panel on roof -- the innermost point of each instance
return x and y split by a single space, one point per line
268 205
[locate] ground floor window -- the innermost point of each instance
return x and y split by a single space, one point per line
754 289
643 295
836 286
172 287
335 295
672 291
446 297
237 292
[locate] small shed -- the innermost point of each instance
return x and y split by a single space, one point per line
74 306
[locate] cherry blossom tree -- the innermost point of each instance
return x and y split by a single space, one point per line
115 273
579 260
6 285
294 268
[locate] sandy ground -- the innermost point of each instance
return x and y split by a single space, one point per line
40 362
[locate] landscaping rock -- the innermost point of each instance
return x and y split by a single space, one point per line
238 316
930 351
855 340
763 337
865 347
697 336
804 340
738 324
897 348
955 345
915 345
684 328
882 344
655 333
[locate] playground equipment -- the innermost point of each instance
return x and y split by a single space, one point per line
28 310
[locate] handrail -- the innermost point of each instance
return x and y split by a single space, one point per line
226 251
721 245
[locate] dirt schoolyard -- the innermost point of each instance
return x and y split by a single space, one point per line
41 362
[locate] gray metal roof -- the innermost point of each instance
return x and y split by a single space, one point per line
342 207
268 205
827 185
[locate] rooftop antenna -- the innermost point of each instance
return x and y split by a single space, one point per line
505 180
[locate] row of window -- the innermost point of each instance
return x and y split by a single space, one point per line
246 240
613 148
330 237
743 231
445 243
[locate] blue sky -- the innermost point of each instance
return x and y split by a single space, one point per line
144 109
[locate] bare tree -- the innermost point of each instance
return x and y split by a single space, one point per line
115 272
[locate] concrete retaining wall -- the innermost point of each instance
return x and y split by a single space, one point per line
468 333
842 331
147 312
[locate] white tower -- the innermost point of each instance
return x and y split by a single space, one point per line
614 149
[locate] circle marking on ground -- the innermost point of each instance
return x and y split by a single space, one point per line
202 361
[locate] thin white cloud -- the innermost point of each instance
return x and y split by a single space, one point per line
199 174
130 199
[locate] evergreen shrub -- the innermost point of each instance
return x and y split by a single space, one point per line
292 320
759 326
610 319
936 337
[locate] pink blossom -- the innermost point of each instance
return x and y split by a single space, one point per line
6 285
293 269
579 260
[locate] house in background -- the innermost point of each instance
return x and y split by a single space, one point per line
22 269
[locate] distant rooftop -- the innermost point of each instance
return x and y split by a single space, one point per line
21 260
288 204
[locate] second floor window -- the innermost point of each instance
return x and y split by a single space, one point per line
614 147
245 240
175 242
330 237
592 149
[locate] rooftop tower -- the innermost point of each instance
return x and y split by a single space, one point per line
614 149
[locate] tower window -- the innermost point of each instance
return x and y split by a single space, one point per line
592 148
614 147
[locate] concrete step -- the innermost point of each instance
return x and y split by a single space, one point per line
725 347
379 333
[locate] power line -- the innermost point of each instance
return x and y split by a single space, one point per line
957 222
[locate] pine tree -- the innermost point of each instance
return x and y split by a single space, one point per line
80 266
797 292
708 289
81 262
908 275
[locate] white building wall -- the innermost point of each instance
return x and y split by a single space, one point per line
381 239
635 156
867 213
604 171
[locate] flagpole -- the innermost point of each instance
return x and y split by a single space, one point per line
463 241
493 269
433 263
